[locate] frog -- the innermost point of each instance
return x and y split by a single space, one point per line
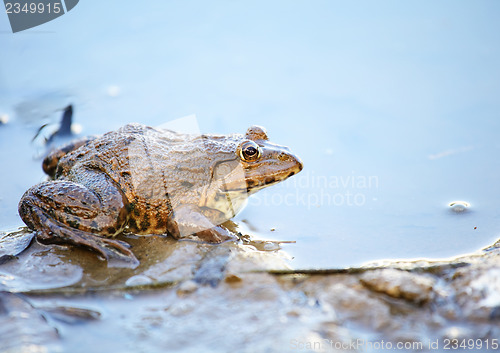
144 180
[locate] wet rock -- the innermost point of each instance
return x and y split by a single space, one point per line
400 284
13 243
38 268
71 315
478 290
256 287
233 279
249 259
187 287
163 261
212 267
182 308
23 328
339 339
201 290
495 314
350 301
138 280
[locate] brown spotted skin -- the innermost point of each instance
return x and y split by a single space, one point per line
149 181
50 162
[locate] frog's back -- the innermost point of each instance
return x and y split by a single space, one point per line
108 152
133 156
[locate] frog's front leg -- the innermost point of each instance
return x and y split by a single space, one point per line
192 223
69 212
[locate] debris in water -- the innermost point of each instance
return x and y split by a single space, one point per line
459 206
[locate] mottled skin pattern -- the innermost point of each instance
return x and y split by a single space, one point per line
150 181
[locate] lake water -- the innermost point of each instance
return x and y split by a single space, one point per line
393 107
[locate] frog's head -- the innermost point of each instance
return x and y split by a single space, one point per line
265 163
250 163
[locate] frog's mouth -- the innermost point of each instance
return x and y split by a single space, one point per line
256 184
250 177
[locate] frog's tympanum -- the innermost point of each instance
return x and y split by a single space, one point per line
148 181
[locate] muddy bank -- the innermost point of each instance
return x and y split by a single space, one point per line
187 297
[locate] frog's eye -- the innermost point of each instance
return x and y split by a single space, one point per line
250 151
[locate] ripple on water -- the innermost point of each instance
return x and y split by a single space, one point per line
459 206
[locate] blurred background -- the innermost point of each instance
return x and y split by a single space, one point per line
393 107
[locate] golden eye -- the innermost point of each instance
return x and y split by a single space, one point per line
250 151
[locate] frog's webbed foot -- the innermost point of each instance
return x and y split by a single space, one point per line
217 234
194 225
116 252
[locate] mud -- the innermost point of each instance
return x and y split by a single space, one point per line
188 297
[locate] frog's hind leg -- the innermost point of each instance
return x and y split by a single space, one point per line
64 212
50 162
116 252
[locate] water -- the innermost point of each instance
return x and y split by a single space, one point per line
392 107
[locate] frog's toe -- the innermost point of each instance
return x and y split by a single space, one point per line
218 234
122 243
117 253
